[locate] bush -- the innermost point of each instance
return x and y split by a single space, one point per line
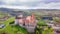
11 22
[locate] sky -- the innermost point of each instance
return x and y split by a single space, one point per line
30 4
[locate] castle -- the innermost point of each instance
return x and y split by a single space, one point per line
28 22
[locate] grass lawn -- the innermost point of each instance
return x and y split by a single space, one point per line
41 22
9 29
1 22
7 26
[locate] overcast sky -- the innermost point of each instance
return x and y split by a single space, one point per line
30 4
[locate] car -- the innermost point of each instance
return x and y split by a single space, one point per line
2 25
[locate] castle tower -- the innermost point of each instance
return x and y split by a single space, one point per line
30 26
33 17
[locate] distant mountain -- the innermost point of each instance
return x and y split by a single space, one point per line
14 11
6 9
9 9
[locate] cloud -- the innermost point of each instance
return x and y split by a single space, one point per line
52 5
15 7
31 4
